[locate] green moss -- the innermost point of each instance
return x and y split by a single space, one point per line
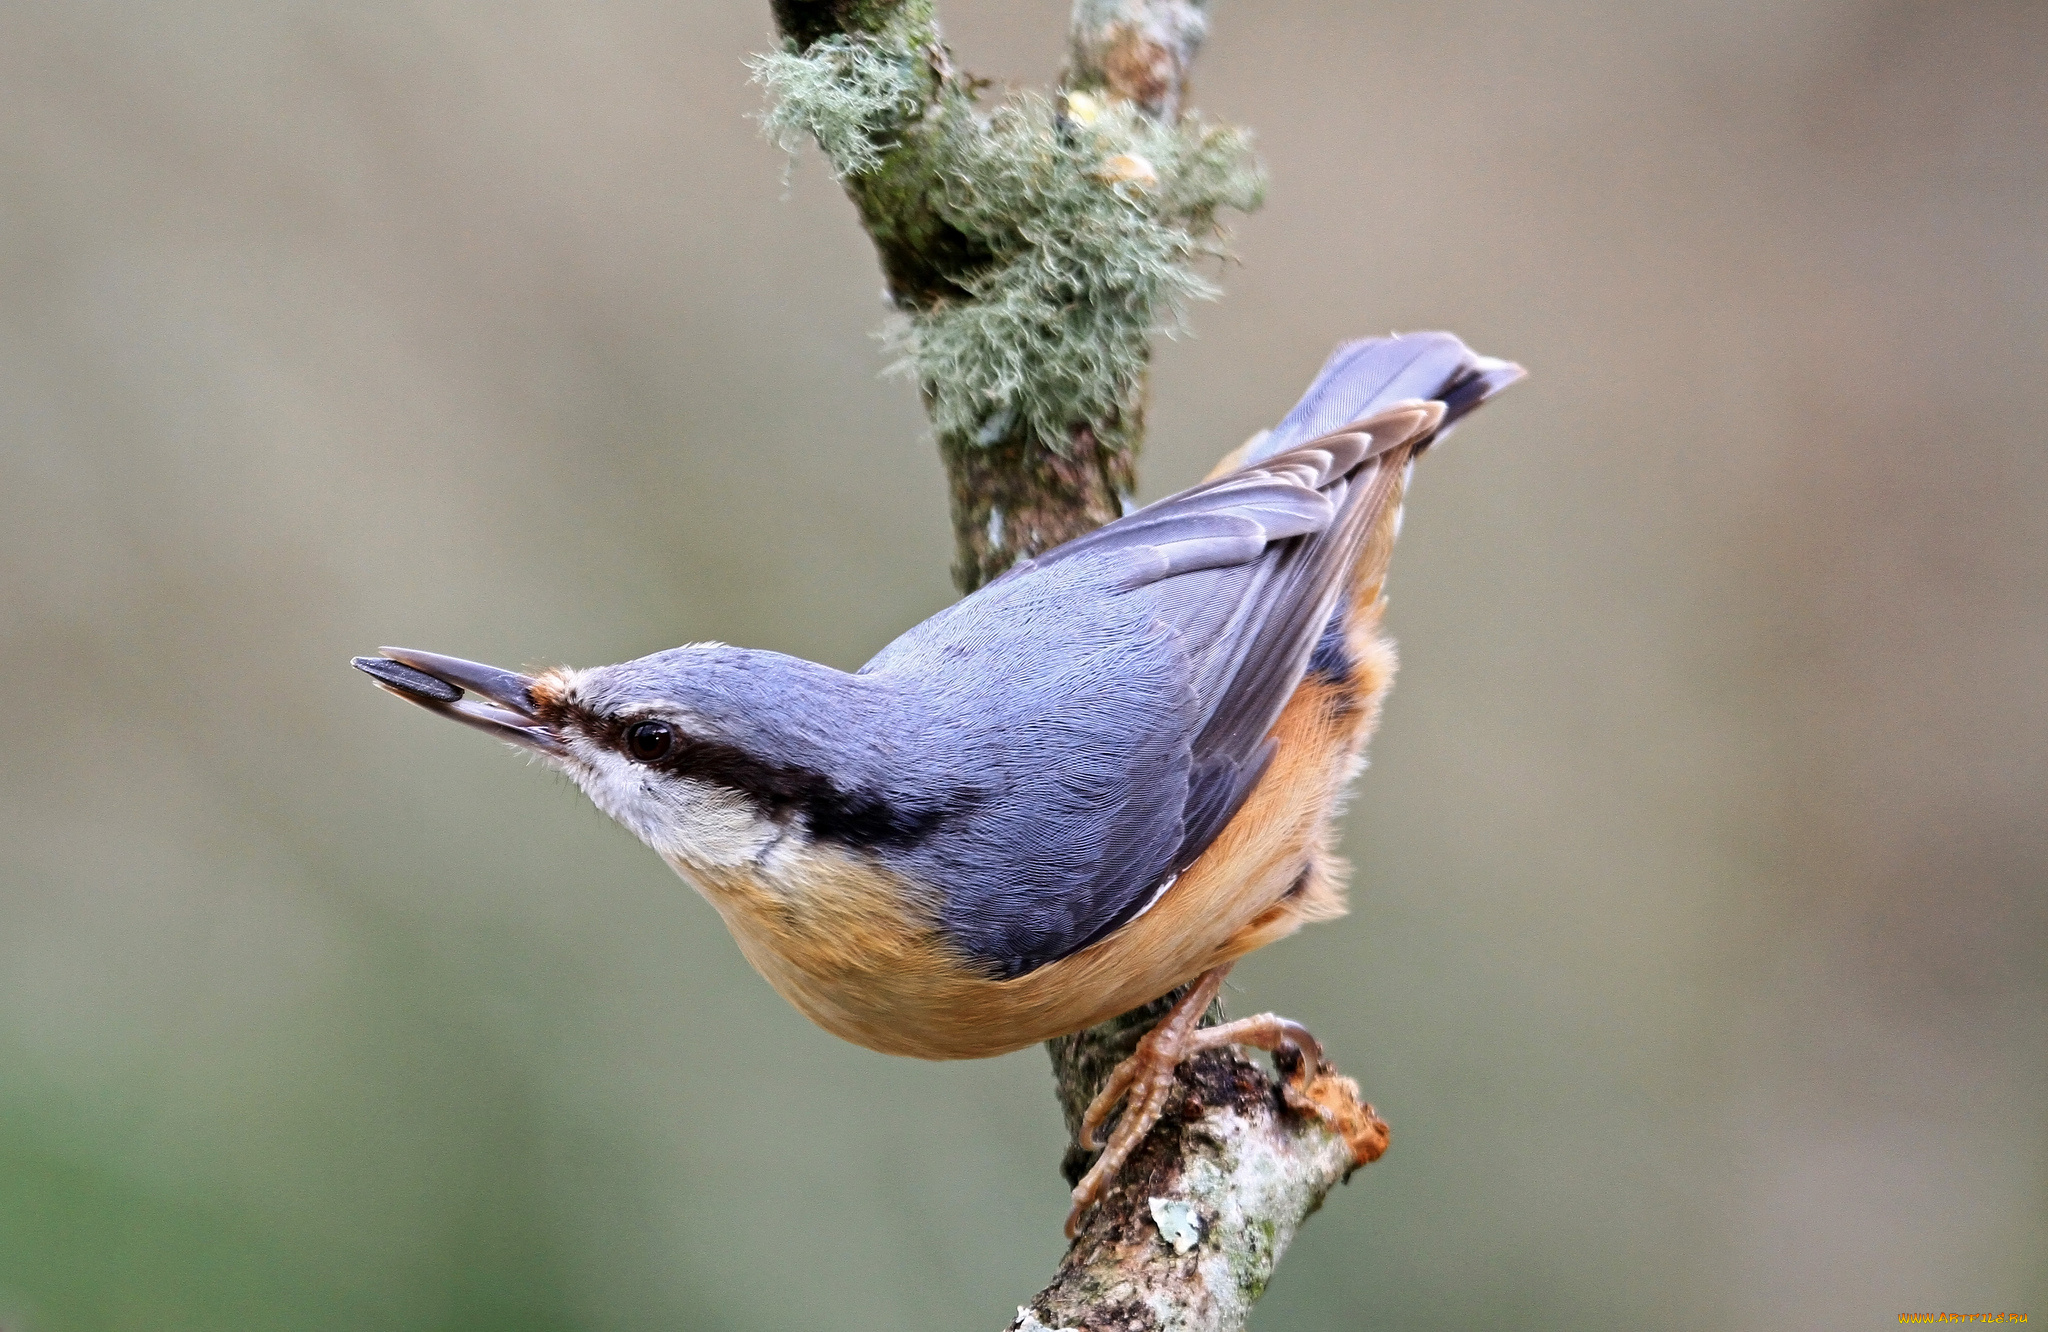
850 94
806 21
1075 231
1096 230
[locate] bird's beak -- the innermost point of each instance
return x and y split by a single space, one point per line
490 699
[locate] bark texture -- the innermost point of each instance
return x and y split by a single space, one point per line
1192 1231
1189 1235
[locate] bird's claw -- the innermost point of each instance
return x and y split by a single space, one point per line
1143 1082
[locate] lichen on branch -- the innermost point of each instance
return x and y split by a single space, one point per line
849 93
1097 219
1080 221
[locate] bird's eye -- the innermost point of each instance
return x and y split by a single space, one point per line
650 741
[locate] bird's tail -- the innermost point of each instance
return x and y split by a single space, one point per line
1359 380
1363 377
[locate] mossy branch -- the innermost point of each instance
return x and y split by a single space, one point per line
1033 249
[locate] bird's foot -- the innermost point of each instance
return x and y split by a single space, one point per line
1142 1083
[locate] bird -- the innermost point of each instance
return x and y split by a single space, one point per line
1109 773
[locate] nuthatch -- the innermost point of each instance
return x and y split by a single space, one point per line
1110 772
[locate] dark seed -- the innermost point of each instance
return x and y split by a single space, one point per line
401 676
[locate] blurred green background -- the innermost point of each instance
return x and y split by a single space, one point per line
1700 945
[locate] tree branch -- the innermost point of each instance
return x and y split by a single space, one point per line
1032 251
1137 50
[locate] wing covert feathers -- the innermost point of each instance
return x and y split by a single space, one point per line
1154 658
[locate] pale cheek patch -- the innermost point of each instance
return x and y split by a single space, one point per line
682 819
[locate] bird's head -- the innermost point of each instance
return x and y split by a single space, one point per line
661 743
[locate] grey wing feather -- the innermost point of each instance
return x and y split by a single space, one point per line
1271 645
1197 617
1110 701
1267 505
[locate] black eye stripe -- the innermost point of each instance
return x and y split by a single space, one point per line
780 791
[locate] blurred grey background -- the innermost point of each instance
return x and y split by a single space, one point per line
1700 945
